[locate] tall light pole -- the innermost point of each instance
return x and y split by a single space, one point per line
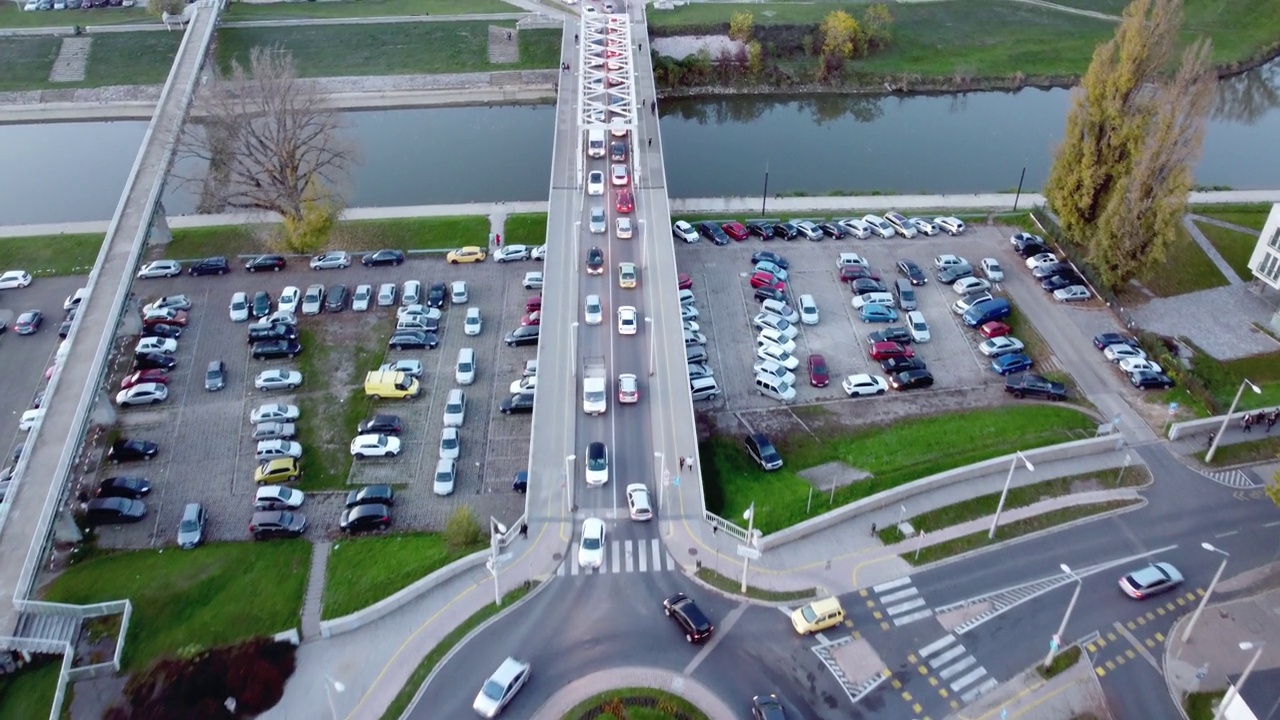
496 531
330 686
1056 641
653 346
750 517
1005 493
573 347
1238 687
1186 634
568 479
1222 429
662 481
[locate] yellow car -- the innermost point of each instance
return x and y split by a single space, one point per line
277 470
626 275
468 254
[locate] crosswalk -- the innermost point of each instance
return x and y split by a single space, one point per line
901 601
1231 478
952 664
623 556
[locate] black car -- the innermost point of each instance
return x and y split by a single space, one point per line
1105 340
768 256
762 229
413 340
595 261
1044 272
523 335
786 231
112 510
618 152
1147 380
261 304
436 295
133 488
832 230
153 361
259 332
761 449
518 403
1026 244
767 707
274 263
211 266
29 322
912 272
1057 282
365 517
336 298
520 483
65 329
1033 249
382 257
381 425
372 495
899 363
911 379
277 523
275 349
863 285
162 330
685 612
1037 386
896 334
126 450
768 293
949 275
713 232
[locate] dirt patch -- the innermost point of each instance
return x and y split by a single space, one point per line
859 661
949 621
836 474
682 46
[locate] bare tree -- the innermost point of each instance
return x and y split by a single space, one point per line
268 142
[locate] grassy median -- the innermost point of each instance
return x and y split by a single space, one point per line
364 570
364 8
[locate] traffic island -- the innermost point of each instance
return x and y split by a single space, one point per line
628 702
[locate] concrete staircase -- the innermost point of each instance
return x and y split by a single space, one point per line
501 50
313 602
73 58
43 626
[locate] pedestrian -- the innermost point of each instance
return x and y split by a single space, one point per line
1247 422
653 107
681 463
575 38
498 237
650 142
873 529
524 529
1272 418
508 35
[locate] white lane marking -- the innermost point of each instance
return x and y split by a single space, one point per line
967 680
892 584
947 657
903 607
1227 534
615 559
948 673
905 619
642 559
982 689
934 647
901 594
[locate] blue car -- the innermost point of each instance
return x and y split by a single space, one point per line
1008 364
878 314
777 270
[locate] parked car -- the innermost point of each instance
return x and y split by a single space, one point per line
912 272
991 268
517 403
273 412
878 314
968 285
176 302
684 231
191 526
153 361
381 424
160 269
277 524
278 379
362 518
134 488
113 511
467 254
511 253
1035 386
29 322
362 297
762 451
1106 340
523 335
884 350
333 260
275 349
864 384
768 256
1003 345
950 225
735 230
1011 363
379 258
371 495
879 226
413 340
143 394
911 380
210 266
1147 380
819 375
1120 351
1072 293
900 363
274 263
144 376
1058 282
924 226
278 497
895 334
994 329
129 450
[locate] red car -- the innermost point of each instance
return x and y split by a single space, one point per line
764 279
533 304
849 273
684 282
170 317
735 230
533 318
819 376
625 204
144 376
886 350
994 329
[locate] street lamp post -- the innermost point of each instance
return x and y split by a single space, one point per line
750 517
1222 429
662 481
1056 641
1186 634
568 478
573 347
653 346
1005 493
496 531
331 685
1238 687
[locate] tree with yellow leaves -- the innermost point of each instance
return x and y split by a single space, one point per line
841 38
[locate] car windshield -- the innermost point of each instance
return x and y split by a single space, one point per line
492 690
590 543
187 526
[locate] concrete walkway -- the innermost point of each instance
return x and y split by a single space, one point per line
1072 694
1224 224
313 601
1219 262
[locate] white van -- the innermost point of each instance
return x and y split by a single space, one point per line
873 298
774 387
465 373
918 327
595 142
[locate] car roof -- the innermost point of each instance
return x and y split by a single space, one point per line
507 671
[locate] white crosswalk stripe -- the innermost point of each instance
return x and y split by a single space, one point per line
955 666
623 556
901 601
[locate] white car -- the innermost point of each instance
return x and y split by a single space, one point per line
628 388
511 253
1036 261
627 320
29 419
446 477
1003 345
863 384
901 224
596 222
618 174
289 299
1073 293
690 326
472 324
856 228
331 260
361 298
276 497
991 268
281 316
808 228
14 279
278 379
638 505
947 260
784 328
168 346
532 281
412 368
450 443
597 472
966 286
363 446
969 301
411 293
593 312
773 337
239 307
684 231
622 226
595 182
524 385
160 269
778 355
591 546
418 311
174 302
917 326
1132 365
924 226
539 253
313 301
387 294
1116 353
458 294
455 408
512 674
273 412
950 225
272 449
142 394
688 312
773 369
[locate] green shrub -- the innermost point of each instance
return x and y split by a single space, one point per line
463 530
712 484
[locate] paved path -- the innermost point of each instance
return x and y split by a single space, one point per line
1224 224
1072 694
1220 262
1072 10
1214 646
313 601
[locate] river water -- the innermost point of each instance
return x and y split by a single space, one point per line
976 142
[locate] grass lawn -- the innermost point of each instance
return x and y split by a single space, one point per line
141 58
894 455
1235 247
424 233
364 570
228 240
1186 268
525 229
607 701
212 596
1264 448
1240 29
385 49
734 585
1250 216
46 255
13 16
29 692
1200 705
365 8
26 60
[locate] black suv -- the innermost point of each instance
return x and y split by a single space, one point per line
336 299
896 334
153 361
899 364
523 335
1028 385
125 450
763 452
372 495
687 614
373 516
274 263
713 232
786 231
381 424
518 403
211 266
382 257
912 272
276 349
762 229
277 523
436 295
134 488
259 332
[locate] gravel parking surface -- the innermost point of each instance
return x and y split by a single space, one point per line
206 454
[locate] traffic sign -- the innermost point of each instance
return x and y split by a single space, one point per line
748 552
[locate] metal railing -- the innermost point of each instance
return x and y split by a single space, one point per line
719 523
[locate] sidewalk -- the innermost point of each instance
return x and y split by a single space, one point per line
1065 697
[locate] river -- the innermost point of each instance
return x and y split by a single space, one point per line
976 142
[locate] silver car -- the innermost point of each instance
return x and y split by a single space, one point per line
313 301
272 449
331 260
360 300
597 224
191 527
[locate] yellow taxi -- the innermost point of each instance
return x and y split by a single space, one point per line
626 275
277 470
468 254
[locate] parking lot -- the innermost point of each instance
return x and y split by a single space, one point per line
207 455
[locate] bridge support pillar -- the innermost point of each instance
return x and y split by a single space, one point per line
158 233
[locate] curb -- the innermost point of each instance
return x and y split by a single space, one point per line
1174 693
818 593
